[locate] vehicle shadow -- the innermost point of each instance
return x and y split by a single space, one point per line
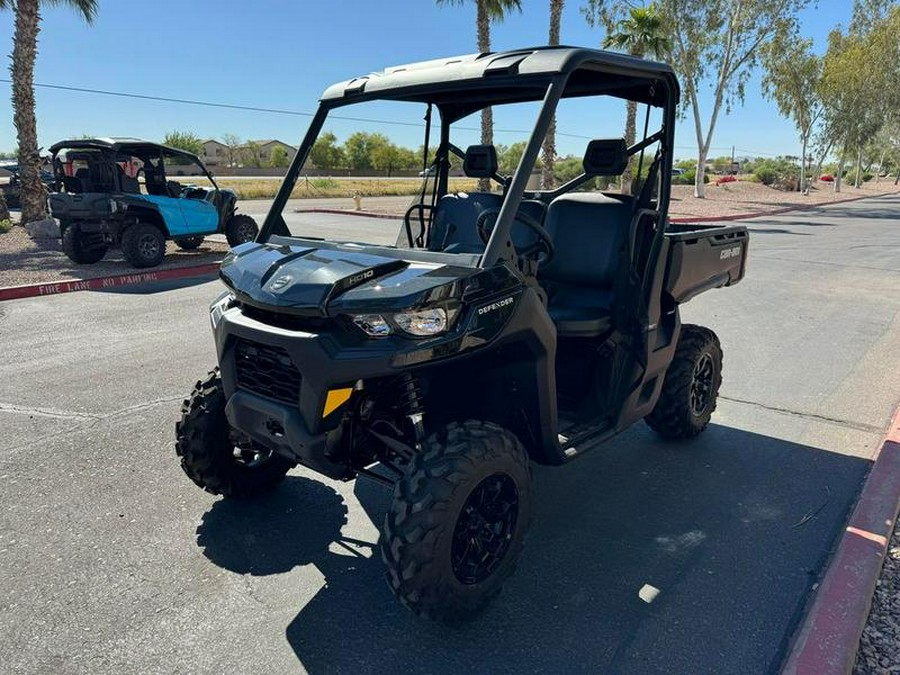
733 528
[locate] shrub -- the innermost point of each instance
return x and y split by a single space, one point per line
323 183
688 178
6 226
780 172
867 176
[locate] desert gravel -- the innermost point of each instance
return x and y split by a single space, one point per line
24 260
879 647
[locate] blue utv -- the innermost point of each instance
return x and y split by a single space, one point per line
116 192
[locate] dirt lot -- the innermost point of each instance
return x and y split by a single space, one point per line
733 199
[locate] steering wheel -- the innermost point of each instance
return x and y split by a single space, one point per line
419 239
543 246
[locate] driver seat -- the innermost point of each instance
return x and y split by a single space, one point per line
453 224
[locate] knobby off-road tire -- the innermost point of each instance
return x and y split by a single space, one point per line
209 456
432 538
240 229
73 245
144 245
691 385
189 243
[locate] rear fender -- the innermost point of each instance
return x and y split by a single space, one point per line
147 213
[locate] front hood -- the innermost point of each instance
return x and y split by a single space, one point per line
324 280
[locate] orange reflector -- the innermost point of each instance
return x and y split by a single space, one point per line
335 399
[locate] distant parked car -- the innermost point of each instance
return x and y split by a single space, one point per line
677 172
826 178
12 189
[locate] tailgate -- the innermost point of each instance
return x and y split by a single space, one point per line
702 257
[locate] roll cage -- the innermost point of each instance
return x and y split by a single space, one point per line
106 152
460 86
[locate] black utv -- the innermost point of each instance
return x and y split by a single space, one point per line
503 327
117 192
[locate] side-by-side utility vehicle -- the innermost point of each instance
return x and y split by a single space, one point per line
116 192
503 327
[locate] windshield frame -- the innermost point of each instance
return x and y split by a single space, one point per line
499 247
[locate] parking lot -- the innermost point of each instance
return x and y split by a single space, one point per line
112 561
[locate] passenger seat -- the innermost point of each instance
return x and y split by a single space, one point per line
589 233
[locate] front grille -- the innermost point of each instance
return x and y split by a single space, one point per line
267 371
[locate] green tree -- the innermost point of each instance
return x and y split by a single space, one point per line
486 11
383 155
326 153
25 43
358 150
278 158
407 158
184 140
548 179
859 88
641 33
792 78
715 42
509 156
249 153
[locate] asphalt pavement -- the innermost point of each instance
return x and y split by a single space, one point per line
112 561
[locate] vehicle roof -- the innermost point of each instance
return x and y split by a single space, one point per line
468 83
117 144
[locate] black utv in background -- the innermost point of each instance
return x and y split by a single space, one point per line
503 327
117 192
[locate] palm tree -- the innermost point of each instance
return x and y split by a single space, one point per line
486 12
28 25
4 209
547 179
641 34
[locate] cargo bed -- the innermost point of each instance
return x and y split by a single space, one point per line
704 256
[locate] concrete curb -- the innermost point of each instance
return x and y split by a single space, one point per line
102 283
698 219
827 641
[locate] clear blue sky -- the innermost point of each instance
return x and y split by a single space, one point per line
283 53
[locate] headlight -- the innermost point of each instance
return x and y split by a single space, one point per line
218 307
373 325
423 322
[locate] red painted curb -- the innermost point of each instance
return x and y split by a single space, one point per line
101 283
827 642
345 212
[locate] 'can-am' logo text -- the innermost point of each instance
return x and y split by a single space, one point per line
730 253
494 305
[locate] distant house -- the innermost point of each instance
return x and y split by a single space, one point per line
214 153
263 150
